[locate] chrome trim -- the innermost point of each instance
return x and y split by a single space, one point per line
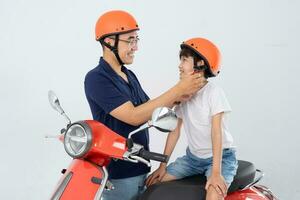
144 126
88 133
256 180
62 186
109 186
133 151
142 160
67 118
129 159
103 183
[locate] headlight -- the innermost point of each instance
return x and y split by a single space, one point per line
78 139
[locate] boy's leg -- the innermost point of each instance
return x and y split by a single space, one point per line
229 168
212 194
182 167
168 177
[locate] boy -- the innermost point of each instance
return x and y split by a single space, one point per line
210 145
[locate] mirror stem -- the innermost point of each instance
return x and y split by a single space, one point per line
67 118
144 126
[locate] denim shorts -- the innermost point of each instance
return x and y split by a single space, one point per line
190 164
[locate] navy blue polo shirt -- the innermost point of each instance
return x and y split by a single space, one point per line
105 90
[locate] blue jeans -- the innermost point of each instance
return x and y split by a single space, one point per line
190 164
126 188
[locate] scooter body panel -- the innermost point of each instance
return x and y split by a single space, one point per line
250 193
106 144
76 183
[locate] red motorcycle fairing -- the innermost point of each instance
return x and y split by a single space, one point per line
86 175
250 193
106 144
76 183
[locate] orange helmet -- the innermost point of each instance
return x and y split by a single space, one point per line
207 51
113 23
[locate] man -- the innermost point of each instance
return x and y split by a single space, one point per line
117 99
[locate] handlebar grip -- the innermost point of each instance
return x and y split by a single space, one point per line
153 156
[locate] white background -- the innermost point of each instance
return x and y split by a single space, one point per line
50 45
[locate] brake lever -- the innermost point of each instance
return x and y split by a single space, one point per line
131 155
142 160
130 160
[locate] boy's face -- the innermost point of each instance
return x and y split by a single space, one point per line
186 65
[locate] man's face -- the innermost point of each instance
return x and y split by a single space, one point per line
128 45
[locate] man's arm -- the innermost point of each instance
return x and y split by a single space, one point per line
169 147
142 113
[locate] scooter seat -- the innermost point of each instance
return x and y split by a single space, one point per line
194 187
244 176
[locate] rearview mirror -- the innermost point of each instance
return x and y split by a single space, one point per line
164 119
54 102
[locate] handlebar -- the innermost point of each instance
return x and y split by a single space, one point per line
153 156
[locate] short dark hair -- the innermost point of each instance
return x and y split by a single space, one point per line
186 52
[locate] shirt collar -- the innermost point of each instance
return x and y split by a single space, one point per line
106 66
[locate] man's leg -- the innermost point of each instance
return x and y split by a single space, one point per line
125 189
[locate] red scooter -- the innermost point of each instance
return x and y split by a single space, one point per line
93 145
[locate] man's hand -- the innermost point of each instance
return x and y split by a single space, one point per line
189 85
185 97
156 176
218 183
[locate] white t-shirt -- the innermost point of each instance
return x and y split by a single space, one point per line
197 113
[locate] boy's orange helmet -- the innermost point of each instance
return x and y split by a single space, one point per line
115 22
207 51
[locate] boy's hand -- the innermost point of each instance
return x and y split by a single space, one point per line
218 183
156 176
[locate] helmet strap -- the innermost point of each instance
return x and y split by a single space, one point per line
114 48
200 68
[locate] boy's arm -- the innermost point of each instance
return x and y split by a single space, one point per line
169 147
172 141
216 133
216 180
